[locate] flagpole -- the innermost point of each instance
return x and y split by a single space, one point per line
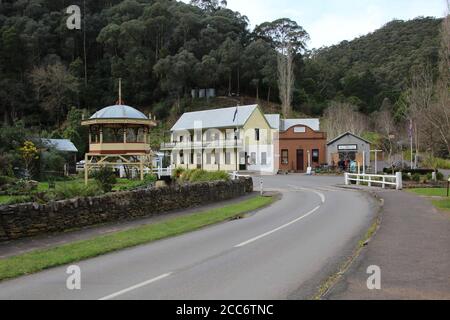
235 139
411 140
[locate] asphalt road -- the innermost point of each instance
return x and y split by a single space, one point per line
282 252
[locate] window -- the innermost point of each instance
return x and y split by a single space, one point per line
263 158
192 158
253 158
95 134
284 156
257 134
181 138
113 135
227 157
315 155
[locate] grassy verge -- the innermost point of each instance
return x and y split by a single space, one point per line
333 279
443 204
43 259
429 192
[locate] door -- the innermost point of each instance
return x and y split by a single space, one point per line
300 161
243 161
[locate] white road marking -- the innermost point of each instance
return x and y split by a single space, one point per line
277 229
320 194
139 285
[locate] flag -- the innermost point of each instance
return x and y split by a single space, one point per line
235 114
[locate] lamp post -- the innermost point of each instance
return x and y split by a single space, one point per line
376 159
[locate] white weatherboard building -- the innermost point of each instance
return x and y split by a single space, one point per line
230 139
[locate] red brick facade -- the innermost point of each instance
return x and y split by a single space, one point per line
296 143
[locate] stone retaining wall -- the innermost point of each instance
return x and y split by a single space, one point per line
31 219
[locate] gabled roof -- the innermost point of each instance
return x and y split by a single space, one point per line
119 112
348 133
312 123
216 118
63 145
273 120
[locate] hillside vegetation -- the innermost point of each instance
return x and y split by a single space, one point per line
162 49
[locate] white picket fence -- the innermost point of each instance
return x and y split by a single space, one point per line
375 179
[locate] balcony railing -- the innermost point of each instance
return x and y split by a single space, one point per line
202 145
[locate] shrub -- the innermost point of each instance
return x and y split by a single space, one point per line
22 186
204 176
19 199
178 172
439 176
416 177
52 162
106 178
75 190
6 180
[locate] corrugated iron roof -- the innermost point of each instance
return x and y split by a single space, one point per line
119 112
273 120
346 134
216 118
312 123
64 145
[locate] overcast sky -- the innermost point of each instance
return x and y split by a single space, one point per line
329 22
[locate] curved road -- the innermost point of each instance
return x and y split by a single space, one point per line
281 252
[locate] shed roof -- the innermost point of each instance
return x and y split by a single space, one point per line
119 112
63 145
216 118
346 134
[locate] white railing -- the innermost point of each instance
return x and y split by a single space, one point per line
160 172
375 179
202 145
235 175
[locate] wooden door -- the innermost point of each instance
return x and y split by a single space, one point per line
300 160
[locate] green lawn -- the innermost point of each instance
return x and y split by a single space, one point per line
430 192
43 259
5 199
442 204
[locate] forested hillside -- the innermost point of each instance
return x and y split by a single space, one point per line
163 48
373 67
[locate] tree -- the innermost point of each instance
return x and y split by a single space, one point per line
286 82
210 5
29 154
228 56
341 117
385 125
289 39
55 88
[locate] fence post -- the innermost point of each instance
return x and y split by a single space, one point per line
384 184
262 187
370 180
346 178
398 181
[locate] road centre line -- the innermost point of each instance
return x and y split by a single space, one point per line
137 286
277 229
320 194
